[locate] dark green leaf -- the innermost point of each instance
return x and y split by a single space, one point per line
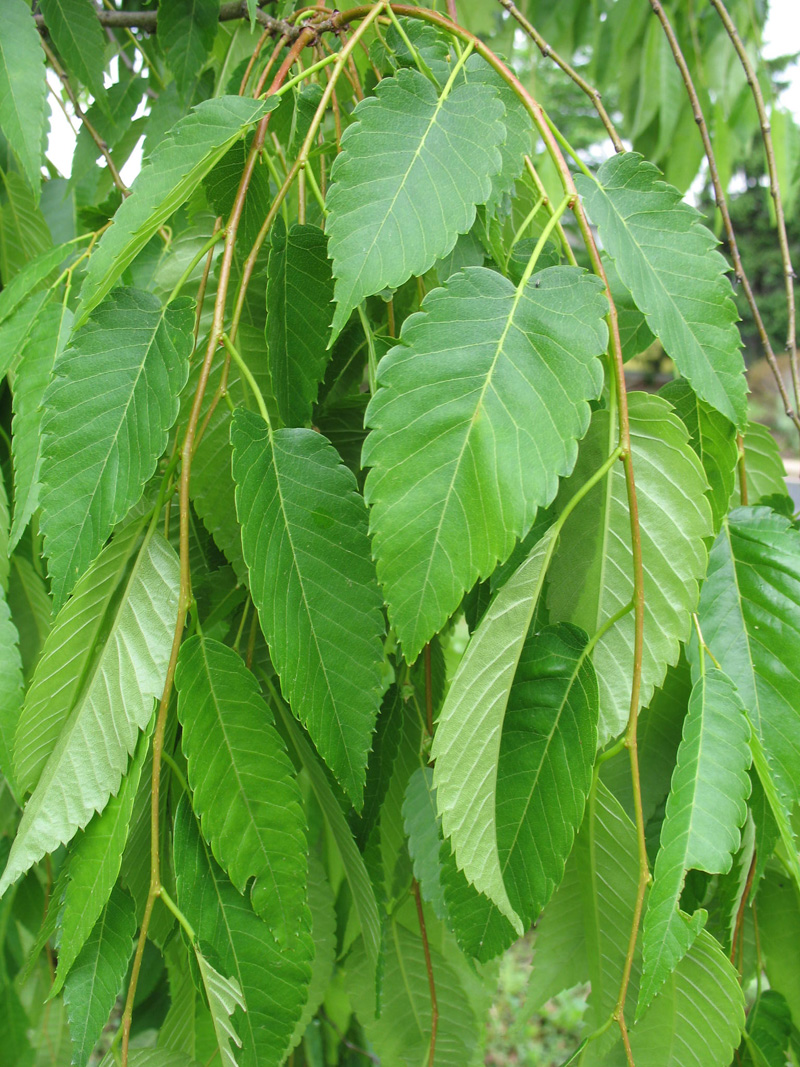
186 32
78 36
23 90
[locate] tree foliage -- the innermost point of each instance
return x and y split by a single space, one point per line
355 618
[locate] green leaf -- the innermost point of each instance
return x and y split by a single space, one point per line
78 36
224 996
186 32
108 411
239 944
713 437
243 785
592 574
30 608
769 1025
43 347
706 807
299 294
466 745
412 169
94 864
355 872
766 474
98 973
103 664
10 691
667 258
176 167
23 90
545 765
634 334
305 543
24 234
477 416
779 929
14 1028
323 930
16 329
750 619
423 829
32 275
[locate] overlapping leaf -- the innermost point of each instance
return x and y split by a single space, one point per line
186 32
667 258
24 233
103 664
174 170
766 474
243 784
305 544
701 831
412 169
477 416
10 690
23 89
108 411
299 294
78 36
592 572
224 996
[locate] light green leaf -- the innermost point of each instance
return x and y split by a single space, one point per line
108 411
592 574
305 543
224 997
706 807
32 275
16 329
79 37
175 168
43 347
545 767
355 872
243 784
188 1026
423 829
766 474
14 1026
667 258
94 864
466 746
10 691
24 234
299 294
477 416
713 437
779 929
23 90
750 618
98 973
31 610
413 167
103 664
239 944
186 32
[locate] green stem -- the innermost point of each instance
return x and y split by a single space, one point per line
176 911
184 278
372 362
173 766
248 375
415 55
550 225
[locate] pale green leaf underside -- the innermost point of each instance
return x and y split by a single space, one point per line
97 729
23 89
706 807
592 574
243 784
477 415
174 170
466 745
108 411
312 579
766 474
413 167
224 996
667 258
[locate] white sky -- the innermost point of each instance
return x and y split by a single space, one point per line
781 36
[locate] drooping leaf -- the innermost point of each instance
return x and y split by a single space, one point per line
243 785
10 691
478 414
466 745
94 864
24 233
713 437
305 544
769 1026
224 996
384 225
667 258
78 36
16 329
32 276
240 946
323 930
545 764
108 411
766 474
188 1026
93 692
98 973
423 829
430 44
592 574
701 830
43 347
186 32
779 929
175 168
23 89
299 294
634 334
14 1028
31 610
750 619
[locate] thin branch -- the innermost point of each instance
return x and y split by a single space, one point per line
722 204
737 930
550 53
774 188
429 968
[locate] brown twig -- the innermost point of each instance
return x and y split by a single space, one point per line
774 188
737 929
550 53
423 930
722 205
